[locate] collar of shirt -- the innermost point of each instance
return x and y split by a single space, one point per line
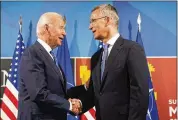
112 41
45 45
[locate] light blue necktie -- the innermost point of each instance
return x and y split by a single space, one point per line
104 58
56 62
54 58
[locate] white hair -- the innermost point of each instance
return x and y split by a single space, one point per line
48 18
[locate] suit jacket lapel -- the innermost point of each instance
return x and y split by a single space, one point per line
98 69
114 52
50 61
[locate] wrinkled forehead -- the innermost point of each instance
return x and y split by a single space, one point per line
60 21
95 14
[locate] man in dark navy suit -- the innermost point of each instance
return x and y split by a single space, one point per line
42 89
119 73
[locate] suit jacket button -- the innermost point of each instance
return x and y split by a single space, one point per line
100 93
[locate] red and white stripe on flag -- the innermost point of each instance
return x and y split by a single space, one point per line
89 115
9 106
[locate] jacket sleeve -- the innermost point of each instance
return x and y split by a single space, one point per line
76 92
87 99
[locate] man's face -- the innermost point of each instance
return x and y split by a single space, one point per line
98 25
57 33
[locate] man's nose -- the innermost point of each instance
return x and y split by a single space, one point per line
64 32
90 26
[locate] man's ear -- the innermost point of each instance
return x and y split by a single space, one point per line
46 29
46 26
107 19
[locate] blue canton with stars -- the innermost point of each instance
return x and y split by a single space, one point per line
13 71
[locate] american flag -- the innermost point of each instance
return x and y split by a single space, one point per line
90 114
9 106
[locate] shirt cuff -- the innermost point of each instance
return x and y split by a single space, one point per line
80 103
85 87
70 107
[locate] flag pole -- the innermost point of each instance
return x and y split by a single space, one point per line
139 22
20 23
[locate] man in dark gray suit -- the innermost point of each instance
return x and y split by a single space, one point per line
42 91
119 72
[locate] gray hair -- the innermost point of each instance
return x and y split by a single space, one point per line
109 11
48 18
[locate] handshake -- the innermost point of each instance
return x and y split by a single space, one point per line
76 106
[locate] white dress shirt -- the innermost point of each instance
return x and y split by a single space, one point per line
46 46
111 44
112 41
